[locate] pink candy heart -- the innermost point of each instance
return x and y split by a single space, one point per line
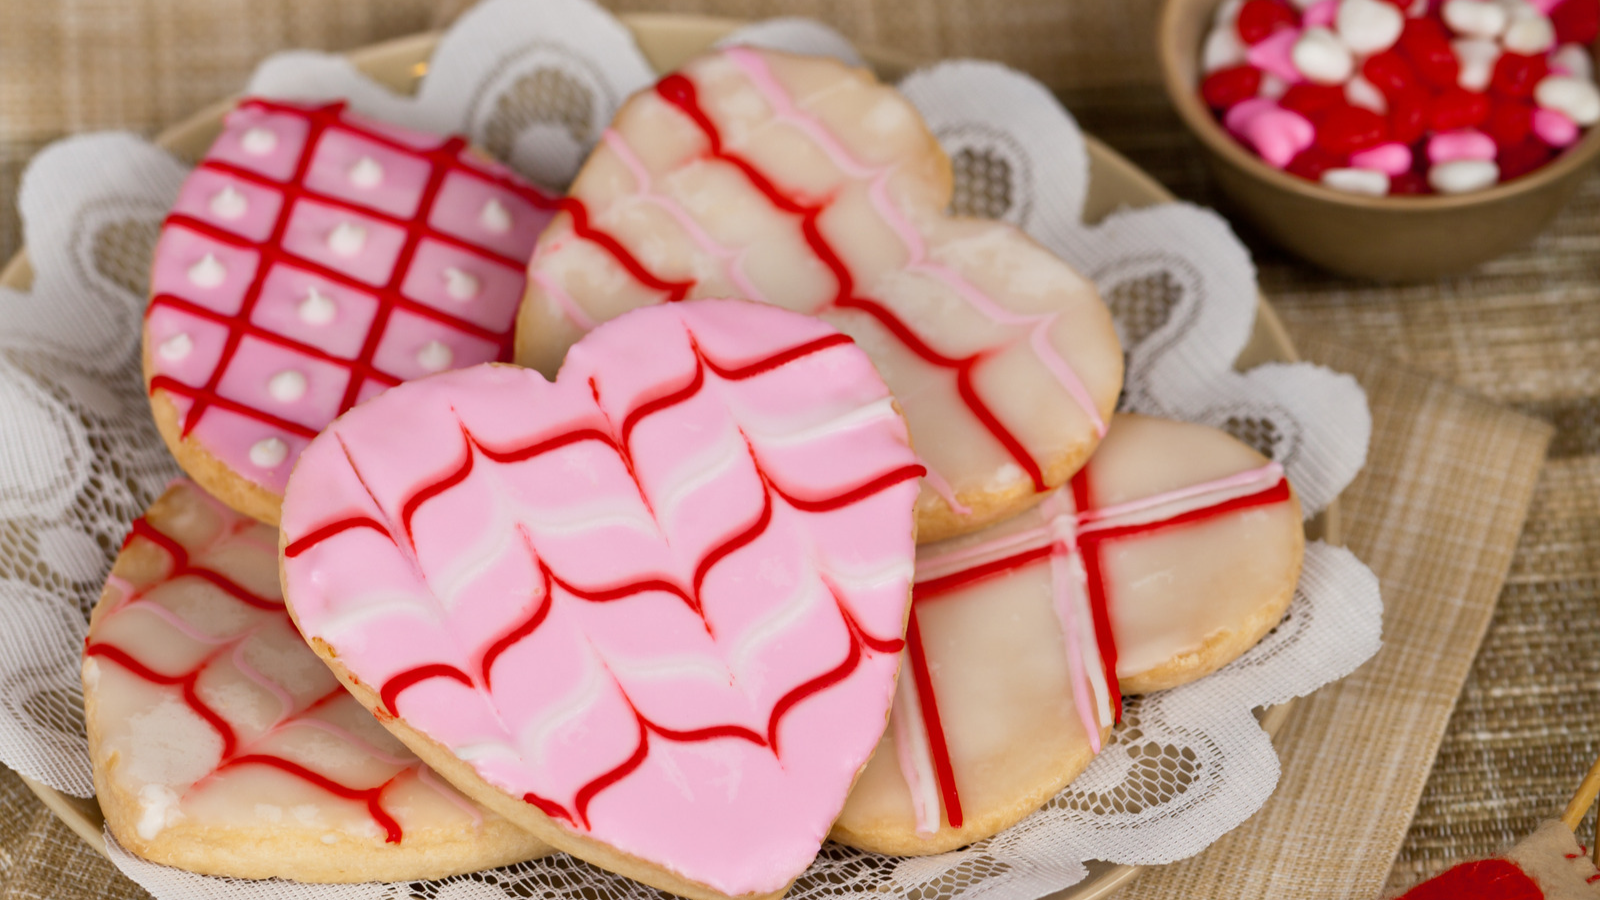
1463 143
1390 159
656 604
1275 55
1276 134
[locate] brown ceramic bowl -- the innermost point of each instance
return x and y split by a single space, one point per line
1391 238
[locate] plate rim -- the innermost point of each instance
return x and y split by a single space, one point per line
652 31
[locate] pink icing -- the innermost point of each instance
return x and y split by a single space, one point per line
657 599
421 215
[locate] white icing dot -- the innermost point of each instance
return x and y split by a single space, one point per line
207 273
177 347
269 452
366 173
228 203
495 217
434 357
317 308
460 285
259 141
347 239
287 386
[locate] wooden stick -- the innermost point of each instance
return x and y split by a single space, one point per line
1583 799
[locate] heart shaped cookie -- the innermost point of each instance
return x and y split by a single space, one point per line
804 183
314 258
1171 553
222 745
652 611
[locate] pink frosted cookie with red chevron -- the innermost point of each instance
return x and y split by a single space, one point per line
652 611
313 259
1171 553
222 745
804 183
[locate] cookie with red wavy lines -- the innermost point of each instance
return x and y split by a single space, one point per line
804 183
222 745
1166 557
651 611
314 258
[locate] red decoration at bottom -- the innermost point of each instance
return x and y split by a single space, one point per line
1486 879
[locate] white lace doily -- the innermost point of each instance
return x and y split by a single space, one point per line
535 82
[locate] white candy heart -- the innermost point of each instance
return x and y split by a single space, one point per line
1321 57
1477 62
1572 59
1369 26
1370 182
1578 98
1221 50
1364 93
1529 35
1463 176
1476 18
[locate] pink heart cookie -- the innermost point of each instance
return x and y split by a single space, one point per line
802 182
313 259
652 611
222 745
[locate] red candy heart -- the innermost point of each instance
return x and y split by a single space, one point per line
1408 114
1509 123
1516 75
1520 159
1258 19
1224 88
1346 129
1427 45
1458 107
1389 72
1410 183
1309 99
1312 162
1576 21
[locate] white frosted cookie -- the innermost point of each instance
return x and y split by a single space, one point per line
314 258
802 182
222 745
1171 553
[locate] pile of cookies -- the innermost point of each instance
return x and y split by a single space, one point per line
740 499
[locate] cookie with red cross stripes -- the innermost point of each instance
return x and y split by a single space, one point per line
313 259
804 183
1166 557
222 745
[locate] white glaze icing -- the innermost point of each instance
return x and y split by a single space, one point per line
495 218
366 173
287 386
435 357
316 308
176 348
461 285
228 203
268 452
208 272
259 141
347 239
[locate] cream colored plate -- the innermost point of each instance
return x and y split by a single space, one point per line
668 41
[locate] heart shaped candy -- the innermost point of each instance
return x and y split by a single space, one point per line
650 612
804 183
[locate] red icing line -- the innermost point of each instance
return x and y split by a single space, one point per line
372 796
938 748
680 92
183 566
1099 604
396 685
675 290
445 160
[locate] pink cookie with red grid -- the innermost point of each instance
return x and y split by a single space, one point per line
315 258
